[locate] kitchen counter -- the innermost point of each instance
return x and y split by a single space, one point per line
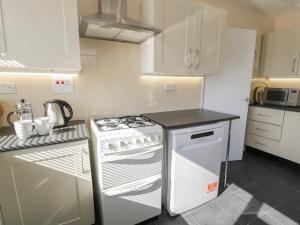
285 108
188 118
76 131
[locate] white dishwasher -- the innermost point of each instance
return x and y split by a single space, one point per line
193 161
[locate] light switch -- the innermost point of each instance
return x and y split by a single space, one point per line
170 87
8 88
62 84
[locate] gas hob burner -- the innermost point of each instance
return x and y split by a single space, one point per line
125 122
107 121
136 124
133 119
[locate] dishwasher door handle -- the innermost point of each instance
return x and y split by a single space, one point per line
200 145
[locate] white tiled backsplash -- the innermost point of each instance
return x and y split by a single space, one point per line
279 82
109 83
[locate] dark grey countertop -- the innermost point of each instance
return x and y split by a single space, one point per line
188 118
76 131
285 108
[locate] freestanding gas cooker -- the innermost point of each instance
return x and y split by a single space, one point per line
127 154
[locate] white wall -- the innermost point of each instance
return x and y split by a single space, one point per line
110 81
291 19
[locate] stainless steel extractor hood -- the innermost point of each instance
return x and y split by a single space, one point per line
112 23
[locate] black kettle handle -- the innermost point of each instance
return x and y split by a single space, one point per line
69 108
8 118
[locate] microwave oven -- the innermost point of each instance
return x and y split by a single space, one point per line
282 96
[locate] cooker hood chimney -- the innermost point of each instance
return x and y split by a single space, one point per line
112 23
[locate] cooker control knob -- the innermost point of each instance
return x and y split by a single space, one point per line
112 147
137 141
123 144
155 138
147 140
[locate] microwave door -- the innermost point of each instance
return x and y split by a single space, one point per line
276 96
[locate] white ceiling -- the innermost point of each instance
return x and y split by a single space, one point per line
272 7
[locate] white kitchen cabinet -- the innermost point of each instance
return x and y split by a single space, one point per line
266 115
178 26
208 49
170 52
264 130
275 132
290 143
264 144
191 42
47 185
280 53
39 36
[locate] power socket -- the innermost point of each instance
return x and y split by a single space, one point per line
8 88
62 84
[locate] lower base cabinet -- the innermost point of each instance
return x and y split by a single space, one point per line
290 137
264 144
275 132
47 186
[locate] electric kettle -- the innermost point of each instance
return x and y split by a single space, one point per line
259 95
56 111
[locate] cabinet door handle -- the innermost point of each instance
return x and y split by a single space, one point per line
191 52
297 70
259 143
198 57
3 48
85 170
264 115
261 129
294 64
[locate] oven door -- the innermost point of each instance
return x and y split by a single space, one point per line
125 167
133 202
276 96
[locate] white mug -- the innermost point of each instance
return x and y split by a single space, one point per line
24 128
43 125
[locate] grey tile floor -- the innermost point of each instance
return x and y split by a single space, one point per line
264 190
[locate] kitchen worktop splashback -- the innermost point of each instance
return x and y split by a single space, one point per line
110 83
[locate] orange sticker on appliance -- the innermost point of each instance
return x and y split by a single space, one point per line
212 187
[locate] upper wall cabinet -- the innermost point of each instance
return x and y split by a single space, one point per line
280 53
210 40
191 42
39 36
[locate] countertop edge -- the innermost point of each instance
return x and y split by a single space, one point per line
282 108
42 145
75 132
194 124
197 122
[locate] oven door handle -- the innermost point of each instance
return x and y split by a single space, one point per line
135 186
122 157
